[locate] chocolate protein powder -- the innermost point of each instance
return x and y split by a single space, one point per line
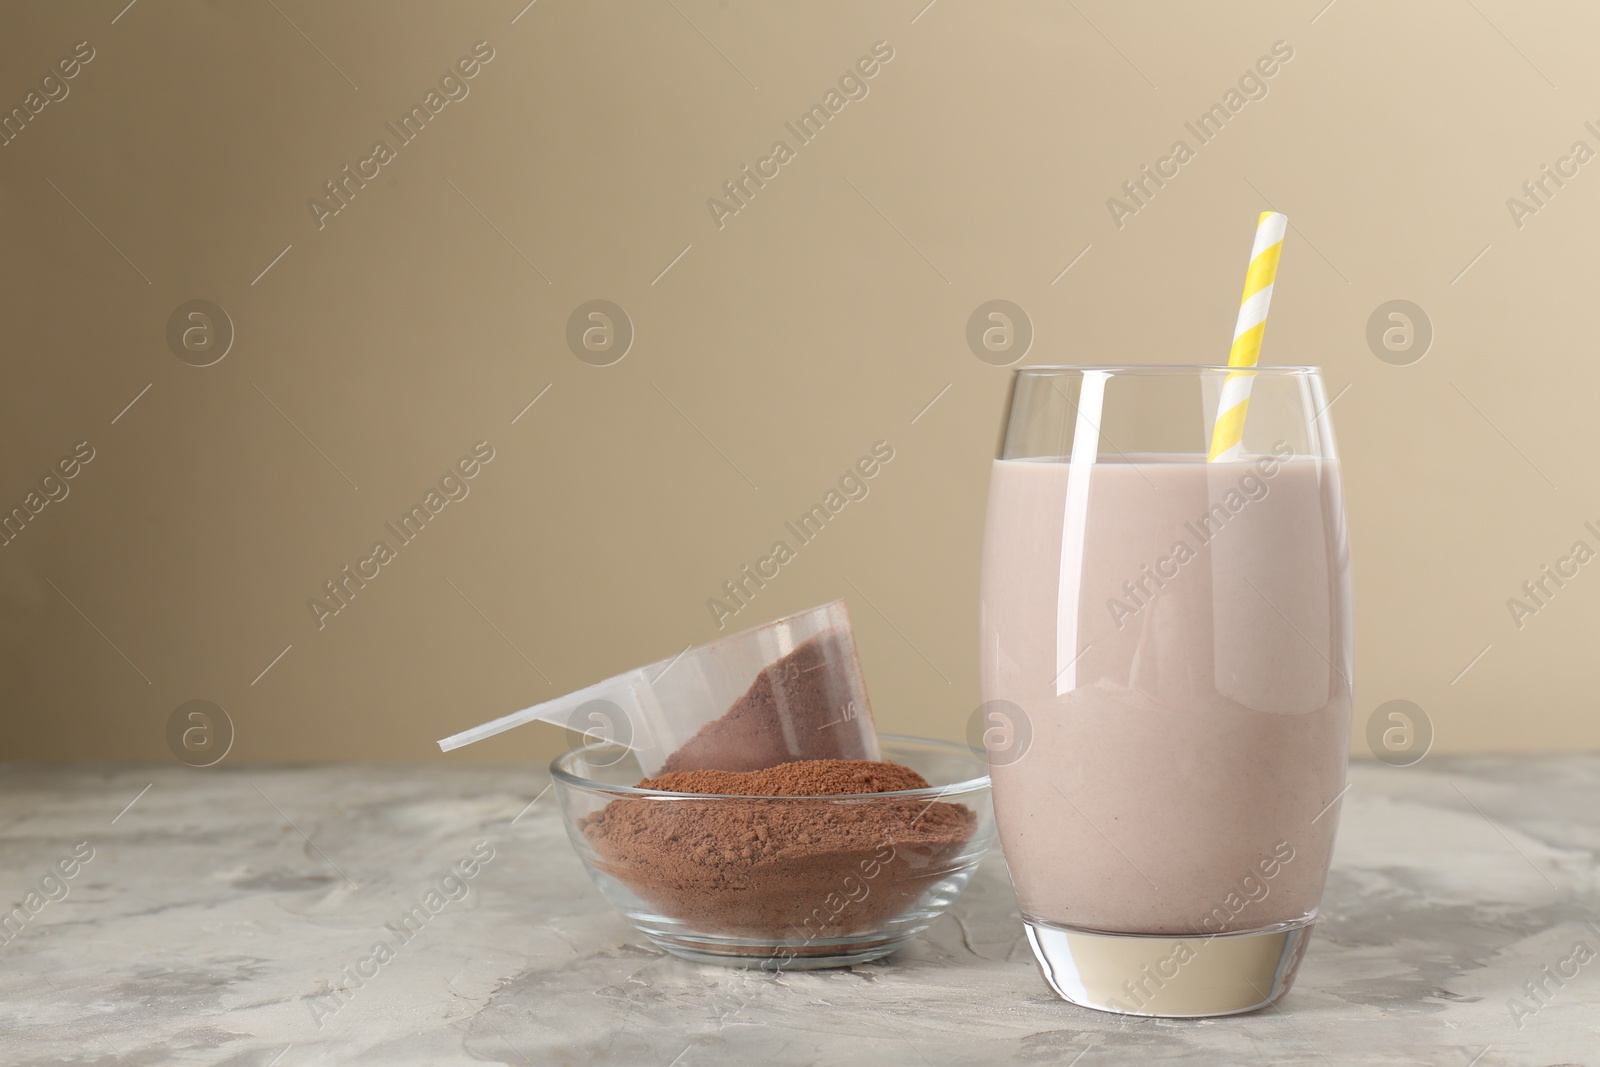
776 861
792 711
773 861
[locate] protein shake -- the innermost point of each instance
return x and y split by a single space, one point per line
1179 649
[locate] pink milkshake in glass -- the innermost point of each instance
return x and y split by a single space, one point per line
1165 650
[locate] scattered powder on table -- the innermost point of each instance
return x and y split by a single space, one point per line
782 868
794 710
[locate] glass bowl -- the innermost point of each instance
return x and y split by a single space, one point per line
779 882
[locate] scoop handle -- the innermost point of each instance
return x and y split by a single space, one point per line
622 690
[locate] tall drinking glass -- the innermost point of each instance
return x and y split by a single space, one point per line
1165 647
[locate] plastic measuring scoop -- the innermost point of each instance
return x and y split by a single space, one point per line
785 691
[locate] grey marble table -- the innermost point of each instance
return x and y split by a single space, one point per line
206 922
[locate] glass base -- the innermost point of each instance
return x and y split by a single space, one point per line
1169 977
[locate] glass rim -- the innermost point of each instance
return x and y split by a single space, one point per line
1164 368
560 773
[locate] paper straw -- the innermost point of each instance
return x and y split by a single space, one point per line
1228 432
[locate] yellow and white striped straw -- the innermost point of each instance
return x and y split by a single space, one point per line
1228 432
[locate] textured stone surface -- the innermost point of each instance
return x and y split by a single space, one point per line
219 909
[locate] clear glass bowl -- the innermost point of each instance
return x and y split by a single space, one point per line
779 882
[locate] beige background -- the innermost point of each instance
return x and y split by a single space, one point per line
823 317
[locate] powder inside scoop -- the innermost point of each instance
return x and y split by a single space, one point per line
796 709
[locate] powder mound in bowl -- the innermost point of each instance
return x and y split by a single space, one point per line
802 778
798 852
